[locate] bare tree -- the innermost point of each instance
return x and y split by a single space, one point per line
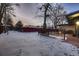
6 8
55 12
9 23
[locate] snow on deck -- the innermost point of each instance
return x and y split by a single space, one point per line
33 44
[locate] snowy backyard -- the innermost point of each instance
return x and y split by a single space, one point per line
33 44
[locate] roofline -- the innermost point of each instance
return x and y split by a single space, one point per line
73 13
65 24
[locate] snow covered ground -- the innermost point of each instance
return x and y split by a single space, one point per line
58 37
33 44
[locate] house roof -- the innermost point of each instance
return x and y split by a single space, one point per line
65 25
73 14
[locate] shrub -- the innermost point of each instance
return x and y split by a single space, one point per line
69 32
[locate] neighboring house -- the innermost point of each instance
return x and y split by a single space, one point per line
67 27
72 18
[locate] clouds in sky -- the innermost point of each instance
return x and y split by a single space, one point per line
27 12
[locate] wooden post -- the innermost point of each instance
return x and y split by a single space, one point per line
64 34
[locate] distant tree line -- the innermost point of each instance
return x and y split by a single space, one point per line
17 27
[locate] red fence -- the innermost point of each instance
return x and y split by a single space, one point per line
37 30
31 29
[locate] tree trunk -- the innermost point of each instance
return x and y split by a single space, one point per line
44 25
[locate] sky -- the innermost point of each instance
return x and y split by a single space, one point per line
71 7
27 12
